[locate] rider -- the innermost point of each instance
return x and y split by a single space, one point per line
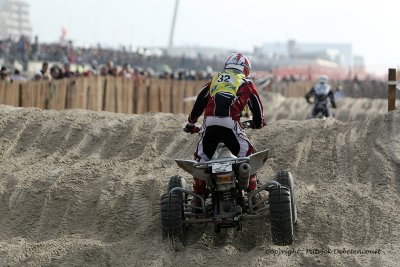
222 100
321 91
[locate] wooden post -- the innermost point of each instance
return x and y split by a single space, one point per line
12 94
59 94
119 96
392 90
165 95
133 94
26 95
141 96
127 95
82 93
154 95
2 89
110 95
174 97
40 94
91 94
99 92
180 95
147 98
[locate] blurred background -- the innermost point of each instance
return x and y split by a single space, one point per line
289 40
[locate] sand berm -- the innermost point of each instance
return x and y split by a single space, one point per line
82 188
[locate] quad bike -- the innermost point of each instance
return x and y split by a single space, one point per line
228 203
321 111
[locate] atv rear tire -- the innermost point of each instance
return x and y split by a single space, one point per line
171 217
172 213
281 216
176 181
285 178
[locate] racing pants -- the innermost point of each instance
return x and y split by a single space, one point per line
217 130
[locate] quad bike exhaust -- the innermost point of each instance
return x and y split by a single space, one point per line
244 175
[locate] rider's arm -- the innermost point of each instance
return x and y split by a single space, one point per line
256 107
310 94
200 104
332 98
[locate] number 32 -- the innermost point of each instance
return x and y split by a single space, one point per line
223 78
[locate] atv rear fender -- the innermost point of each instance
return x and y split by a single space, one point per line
201 170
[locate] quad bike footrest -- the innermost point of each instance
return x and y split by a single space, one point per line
202 201
256 208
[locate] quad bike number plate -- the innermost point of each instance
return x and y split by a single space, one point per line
221 167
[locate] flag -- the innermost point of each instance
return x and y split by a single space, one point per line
63 34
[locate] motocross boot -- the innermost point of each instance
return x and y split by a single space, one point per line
199 187
253 184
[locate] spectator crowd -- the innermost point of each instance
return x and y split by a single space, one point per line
64 60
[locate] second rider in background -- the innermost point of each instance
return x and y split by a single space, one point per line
321 91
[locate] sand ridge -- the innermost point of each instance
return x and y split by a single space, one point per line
82 188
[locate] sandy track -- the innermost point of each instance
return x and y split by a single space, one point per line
278 107
81 188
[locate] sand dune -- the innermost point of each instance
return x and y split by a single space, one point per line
80 188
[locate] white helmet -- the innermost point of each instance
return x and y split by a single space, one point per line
323 79
238 62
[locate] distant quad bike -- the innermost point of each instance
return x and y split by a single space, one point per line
321 111
228 204
320 108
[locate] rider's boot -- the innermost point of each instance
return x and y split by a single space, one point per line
253 186
252 183
199 187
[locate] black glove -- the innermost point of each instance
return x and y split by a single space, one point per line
263 124
333 106
191 128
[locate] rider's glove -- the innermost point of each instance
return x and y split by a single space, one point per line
190 128
333 106
248 124
253 126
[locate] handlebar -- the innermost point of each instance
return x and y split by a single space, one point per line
192 129
196 129
249 124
